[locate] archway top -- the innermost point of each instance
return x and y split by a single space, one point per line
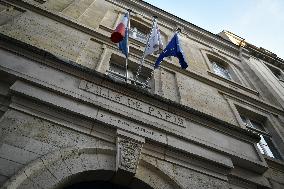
55 169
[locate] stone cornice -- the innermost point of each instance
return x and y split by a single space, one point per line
233 83
266 56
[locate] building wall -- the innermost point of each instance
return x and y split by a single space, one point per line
59 107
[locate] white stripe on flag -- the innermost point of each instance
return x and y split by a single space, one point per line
155 42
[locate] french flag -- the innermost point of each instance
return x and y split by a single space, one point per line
120 30
120 35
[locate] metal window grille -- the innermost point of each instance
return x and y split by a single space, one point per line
221 70
265 144
136 34
117 72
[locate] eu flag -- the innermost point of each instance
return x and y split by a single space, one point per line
172 49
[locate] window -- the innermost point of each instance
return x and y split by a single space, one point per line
138 31
138 35
117 71
276 72
265 145
226 70
220 70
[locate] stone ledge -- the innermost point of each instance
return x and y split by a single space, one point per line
234 84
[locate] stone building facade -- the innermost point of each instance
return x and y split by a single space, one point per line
67 118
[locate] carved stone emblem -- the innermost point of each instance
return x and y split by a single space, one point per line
128 151
129 154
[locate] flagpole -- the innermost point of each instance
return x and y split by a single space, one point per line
178 30
143 56
126 60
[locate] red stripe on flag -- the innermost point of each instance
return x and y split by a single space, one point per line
118 33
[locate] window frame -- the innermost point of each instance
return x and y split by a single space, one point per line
225 73
236 77
222 62
139 22
276 72
239 81
135 23
265 145
139 36
259 115
119 61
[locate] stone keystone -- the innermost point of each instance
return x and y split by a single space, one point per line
129 148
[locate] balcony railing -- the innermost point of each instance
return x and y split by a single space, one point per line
139 36
121 77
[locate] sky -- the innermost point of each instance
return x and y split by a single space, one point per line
259 22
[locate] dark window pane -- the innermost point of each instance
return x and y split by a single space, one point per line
257 125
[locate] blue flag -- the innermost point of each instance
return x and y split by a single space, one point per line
123 45
172 49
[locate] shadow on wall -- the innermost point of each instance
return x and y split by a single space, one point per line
99 179
96 185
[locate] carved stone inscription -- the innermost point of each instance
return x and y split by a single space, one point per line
128 154
132 103
131 126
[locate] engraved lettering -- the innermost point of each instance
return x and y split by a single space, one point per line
151 109
95 89
131 102
118 97
180 121
168 116
139 105
134 104
144 130
160 115
88 85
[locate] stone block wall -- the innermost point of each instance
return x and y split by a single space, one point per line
65 41
191 112
25 138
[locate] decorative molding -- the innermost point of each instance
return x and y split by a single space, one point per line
129 148
133 103
234 84
258 104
